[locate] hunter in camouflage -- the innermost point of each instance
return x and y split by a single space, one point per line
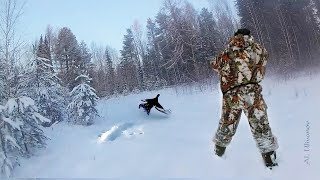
241 67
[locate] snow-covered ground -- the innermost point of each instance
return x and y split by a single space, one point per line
127 143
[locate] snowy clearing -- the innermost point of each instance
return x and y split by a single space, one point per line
127 143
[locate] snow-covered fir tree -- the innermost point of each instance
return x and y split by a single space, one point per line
110 84
9 149
41 84
3 84
83 102
20 132
67 55
23 109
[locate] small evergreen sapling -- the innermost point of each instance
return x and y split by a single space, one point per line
83 102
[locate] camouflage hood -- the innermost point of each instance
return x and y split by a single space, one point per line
241 42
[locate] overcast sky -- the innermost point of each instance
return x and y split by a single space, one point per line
102 21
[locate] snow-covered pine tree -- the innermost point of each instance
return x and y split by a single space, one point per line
20 132
41 84
83 102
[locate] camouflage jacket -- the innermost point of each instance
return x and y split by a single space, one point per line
242 62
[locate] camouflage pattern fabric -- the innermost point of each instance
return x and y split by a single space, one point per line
242 62
241 67
249 99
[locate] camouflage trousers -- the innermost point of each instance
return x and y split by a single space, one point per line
249 99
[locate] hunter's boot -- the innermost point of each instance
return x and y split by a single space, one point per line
269 159
219 150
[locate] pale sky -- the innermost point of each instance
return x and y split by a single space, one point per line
102 21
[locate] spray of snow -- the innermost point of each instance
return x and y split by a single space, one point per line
104 136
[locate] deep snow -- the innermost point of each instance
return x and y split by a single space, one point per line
127 143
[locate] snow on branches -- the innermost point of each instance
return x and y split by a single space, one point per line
83 102
20 132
